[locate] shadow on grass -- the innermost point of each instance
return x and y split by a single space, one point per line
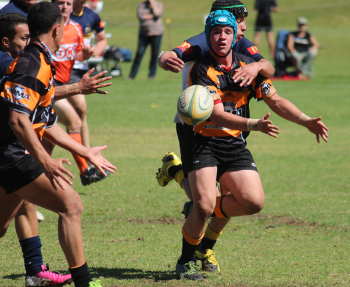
125 273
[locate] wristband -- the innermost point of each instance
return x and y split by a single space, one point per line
303 120
252 124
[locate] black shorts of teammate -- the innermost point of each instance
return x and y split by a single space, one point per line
58 83
199 152
76 75
19 174
263 23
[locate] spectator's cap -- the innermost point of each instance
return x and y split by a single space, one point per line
302 21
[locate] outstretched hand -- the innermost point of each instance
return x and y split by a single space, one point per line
265 126
55 172
318 128
89 85
96 158
173 64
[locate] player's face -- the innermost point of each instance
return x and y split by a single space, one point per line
20 40
221 38
241 27
66 7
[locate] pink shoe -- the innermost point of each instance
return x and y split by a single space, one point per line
48 278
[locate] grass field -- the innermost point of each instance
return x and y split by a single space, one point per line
132 226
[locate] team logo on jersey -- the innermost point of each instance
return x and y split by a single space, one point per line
265 88
186 48
18 93
87 29
253 50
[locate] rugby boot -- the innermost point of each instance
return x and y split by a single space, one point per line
39 216
91 175
96 283
188 207
209 263
170 159
188 271
48 278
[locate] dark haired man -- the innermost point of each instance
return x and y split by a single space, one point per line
216 150
27 172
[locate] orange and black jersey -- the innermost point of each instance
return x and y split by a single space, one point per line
207 72
28 89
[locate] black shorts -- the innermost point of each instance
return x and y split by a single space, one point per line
58 83
263 23
76 75
199 152
19 174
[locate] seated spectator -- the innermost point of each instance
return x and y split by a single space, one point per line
303 47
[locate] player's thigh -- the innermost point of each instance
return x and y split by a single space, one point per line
203 186
245 186
41 192
78 102
66 112
9 206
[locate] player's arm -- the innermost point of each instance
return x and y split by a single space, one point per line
87 85
224 119
290 112
169 61
58 136
24 132
85 53
290 43
101 43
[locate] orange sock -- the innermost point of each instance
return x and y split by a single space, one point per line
80 161
218 210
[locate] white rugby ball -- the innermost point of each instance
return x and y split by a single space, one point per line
195 105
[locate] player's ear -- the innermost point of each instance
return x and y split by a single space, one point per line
5 42
56 29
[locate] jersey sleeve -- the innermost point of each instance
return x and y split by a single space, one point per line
263 87
245 47
192 49
22 93
81 43
97 24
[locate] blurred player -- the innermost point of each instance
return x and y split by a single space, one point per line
90 23
71 48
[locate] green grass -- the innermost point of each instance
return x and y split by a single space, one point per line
132 227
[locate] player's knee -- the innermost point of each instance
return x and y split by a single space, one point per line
205 209
74 126
256 205
73 207
81 111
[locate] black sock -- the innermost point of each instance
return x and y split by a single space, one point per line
188 252
81 275
174 169
207 244
33 259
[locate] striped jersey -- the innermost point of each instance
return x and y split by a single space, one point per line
28 89
64 58
207 72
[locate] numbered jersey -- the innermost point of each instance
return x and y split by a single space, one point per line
207 72
64 58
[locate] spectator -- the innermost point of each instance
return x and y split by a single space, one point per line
303 47
150 33
264 21
92 4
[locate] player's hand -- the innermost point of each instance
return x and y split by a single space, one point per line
246 74
89 85
173 64
96 158
54 170
265 126
87 51
318 128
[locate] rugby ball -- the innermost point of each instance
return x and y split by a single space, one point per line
195 105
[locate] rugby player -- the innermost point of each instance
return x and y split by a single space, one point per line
211 153
26 98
